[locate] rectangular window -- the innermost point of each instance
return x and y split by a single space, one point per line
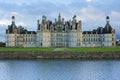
112 44
112 34
103 39
112 39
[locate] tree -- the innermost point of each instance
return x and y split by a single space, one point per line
2 44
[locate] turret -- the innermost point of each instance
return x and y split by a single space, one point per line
63 20
12 28
44 22
79 25
13 23
38 24
108 27
44 19
74 22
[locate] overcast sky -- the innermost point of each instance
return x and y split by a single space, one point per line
92 12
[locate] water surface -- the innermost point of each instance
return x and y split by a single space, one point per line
59 70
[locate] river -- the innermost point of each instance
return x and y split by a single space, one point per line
59 70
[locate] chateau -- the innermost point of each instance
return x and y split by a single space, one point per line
60 33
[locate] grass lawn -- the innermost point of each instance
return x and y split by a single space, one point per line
3 49
109 49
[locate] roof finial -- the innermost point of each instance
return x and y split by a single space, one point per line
13 19
107 19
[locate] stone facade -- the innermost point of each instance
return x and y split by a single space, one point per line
60 33
19 37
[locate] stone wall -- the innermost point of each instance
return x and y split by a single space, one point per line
60 55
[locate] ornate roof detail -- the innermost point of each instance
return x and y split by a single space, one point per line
108 27
60 25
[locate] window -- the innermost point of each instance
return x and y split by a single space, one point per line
41 44
103 39
112 44
103 45
98 39
94 40
112 39
112 34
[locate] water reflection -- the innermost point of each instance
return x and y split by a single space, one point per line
59 70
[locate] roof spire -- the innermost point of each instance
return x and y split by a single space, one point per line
59 17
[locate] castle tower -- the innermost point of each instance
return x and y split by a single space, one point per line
44 35
74 22
109 38
38 24
12 34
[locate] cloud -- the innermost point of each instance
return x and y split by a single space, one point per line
6 18
115 17
91 12
115 21
88 0
106 5
4 22
2 32
91 17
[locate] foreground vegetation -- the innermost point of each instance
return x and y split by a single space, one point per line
109 49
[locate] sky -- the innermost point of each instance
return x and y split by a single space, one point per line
92 13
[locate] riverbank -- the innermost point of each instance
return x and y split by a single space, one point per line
60 55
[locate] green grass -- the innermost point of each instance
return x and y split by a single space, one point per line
109 49
3 49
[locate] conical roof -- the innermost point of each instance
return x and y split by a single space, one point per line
108 27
